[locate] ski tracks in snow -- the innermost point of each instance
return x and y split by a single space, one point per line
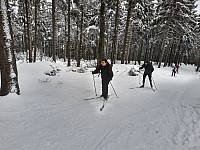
103 138
187 131
186 134
170 125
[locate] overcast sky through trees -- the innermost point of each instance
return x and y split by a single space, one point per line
198 7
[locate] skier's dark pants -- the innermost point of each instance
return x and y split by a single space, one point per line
144 76
105 83
173 73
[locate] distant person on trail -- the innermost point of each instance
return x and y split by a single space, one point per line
106 75
148 71
177 67
174 70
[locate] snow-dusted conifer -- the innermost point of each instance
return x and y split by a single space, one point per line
9 78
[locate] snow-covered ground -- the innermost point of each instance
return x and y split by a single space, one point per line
51 114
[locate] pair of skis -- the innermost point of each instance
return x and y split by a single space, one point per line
104 103
92 98
140 87
153 89
88 99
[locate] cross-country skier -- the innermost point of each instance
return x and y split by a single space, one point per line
173 70
177 68
106 75
148 71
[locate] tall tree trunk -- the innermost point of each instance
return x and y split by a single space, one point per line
68 42
81 35
130 50
102 30
42 47
139 54
162 48
65 40
96 49
28 31
127 51
35 38
151 52
8 68
180 47
53 31
4 66
126 31
170 55
146 55
114 44
166 54
24 36
106 50
14 65
77 35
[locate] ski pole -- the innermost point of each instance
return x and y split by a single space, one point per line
154 82
139 76
94 85
139 79
114 90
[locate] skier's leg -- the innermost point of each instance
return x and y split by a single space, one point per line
102 88
173 73
150 80
105 88
144 76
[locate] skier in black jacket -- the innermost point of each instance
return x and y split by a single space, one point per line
148 71
106 75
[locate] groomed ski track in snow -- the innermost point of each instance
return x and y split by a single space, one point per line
51 114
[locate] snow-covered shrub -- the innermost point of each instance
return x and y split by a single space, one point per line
81 70
21 58
51 72
77 69
134 71
44 80
84 66
58 69
55 68
90 63
73 69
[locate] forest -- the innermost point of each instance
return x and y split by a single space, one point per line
161 31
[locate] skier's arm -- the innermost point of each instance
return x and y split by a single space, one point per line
97 70
141 67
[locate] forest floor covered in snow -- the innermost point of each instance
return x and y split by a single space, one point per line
51 113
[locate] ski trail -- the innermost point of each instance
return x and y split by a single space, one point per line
168 124
103 138
187 130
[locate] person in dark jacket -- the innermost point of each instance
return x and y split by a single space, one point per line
174 70
148 72
106 75
177 67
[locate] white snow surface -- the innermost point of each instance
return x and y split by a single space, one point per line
51 113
